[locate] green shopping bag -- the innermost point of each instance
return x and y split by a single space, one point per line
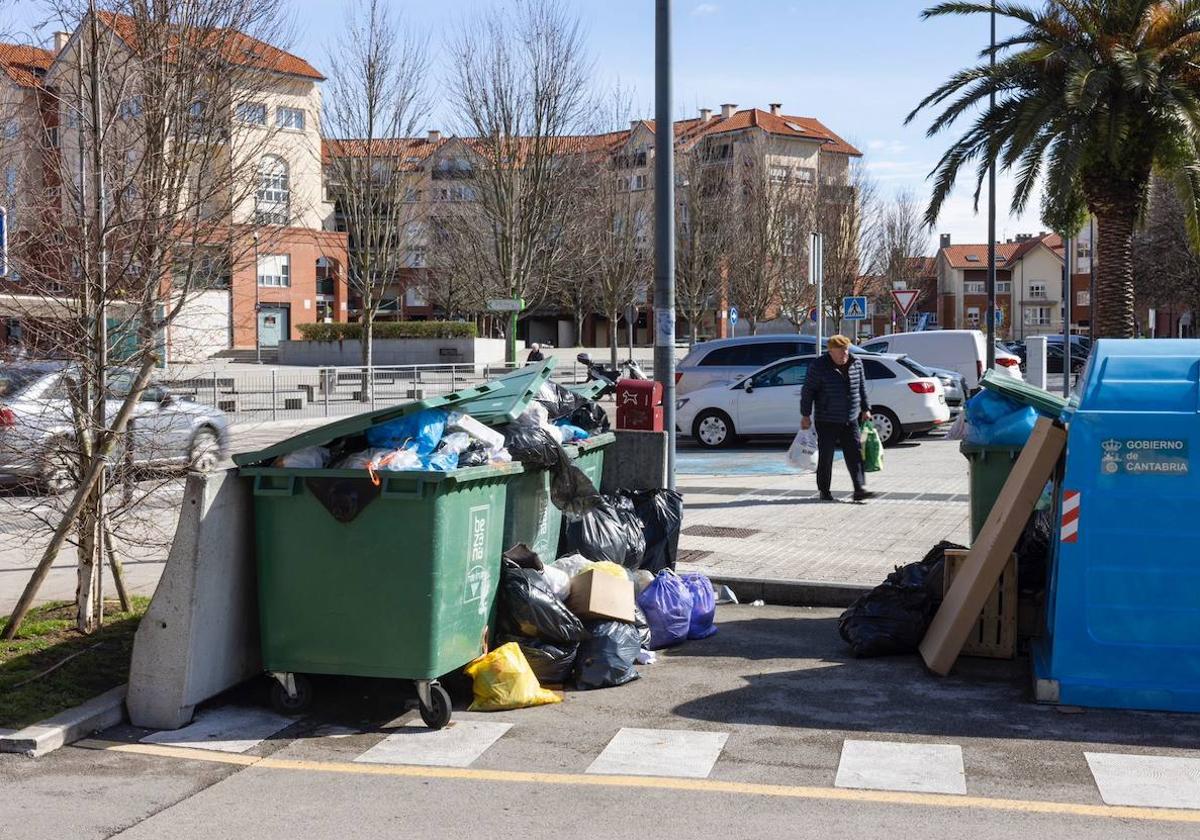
872 448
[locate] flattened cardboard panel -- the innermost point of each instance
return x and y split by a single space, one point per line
961 607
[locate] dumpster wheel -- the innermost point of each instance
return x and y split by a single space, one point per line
291 694
435 704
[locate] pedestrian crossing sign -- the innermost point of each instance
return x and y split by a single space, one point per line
854 309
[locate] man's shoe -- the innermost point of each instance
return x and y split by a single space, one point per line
863 495
826 496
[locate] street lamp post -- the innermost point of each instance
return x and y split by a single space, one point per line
257 305
991 275
664 227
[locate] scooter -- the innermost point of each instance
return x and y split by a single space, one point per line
629 369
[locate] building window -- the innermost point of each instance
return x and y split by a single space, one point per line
292 118
1004 287
639 182
806 174
275 270
274 193
130 108
252 113
1037 291
455 194
412 195
972 316
1083 298
414 257
10 182
52 137
974 287
1037 316
11 129
780 174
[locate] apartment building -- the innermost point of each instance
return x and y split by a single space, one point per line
276 259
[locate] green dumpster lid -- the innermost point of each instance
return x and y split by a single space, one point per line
1043 402
588 390
515 391
361 422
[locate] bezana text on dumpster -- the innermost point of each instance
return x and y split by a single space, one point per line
477 574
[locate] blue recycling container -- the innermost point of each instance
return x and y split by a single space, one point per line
1123 599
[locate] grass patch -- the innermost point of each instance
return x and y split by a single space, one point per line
47 638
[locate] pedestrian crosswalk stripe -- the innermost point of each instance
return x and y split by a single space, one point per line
660 752
1148 781
233 729
885 765
458 745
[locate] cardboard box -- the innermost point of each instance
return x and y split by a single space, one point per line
597 595
993 547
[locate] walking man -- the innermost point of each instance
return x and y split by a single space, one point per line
835 396
535 354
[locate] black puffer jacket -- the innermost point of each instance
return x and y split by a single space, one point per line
837 398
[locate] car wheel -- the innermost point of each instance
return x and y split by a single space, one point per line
713 429
205 452
58 473
888 426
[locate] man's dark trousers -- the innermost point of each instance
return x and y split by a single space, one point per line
831 436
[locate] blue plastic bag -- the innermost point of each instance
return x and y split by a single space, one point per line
421 431
571 433
704 606
995 420
667 603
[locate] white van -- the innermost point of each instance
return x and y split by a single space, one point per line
964 351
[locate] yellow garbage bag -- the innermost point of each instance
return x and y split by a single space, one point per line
504 680
610 568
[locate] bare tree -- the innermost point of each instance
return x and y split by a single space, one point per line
1166 267
519 87
144 207
376 102
704 233
847 216
897 244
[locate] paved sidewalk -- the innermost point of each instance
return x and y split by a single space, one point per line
786 533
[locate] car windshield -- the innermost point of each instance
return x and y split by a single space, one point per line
15 380
917 368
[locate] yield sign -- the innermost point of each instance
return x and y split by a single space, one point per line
905 299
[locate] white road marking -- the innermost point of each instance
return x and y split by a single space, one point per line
458 745
1149 781
885 765
660 752
233 729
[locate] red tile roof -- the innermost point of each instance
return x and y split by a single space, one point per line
690 130
24 65
1006 252
236 47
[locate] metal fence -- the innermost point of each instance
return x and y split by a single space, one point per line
289 393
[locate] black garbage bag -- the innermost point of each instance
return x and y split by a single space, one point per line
635 540
598 534
571 491
559 402
661 514
643 626
1033 551
533 446
475 455
892 618
608 656
552 662
591 417
527 607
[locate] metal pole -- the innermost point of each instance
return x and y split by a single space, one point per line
991 275
664 227
274 397
816 274
1092 278
1067 254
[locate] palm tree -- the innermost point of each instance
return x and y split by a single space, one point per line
1091 97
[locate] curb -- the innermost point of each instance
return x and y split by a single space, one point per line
793 593
67 727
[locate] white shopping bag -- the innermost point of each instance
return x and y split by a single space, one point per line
802 454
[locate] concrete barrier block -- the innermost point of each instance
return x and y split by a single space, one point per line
637 461
200 634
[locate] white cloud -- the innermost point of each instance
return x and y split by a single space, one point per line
705 9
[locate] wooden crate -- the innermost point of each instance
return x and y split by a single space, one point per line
995 633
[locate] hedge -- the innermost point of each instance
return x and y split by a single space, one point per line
389 329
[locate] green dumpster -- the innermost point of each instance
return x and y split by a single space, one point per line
391 580
589 455
989 466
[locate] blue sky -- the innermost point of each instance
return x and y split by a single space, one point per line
857 65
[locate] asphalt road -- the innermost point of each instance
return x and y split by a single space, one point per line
777 682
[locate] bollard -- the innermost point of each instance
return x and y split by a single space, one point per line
1035 361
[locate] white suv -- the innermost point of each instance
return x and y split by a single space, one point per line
727 360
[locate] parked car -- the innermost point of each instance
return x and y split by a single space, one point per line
727 360
953 383
36 425
963 351
1055 358
1081 345
903 399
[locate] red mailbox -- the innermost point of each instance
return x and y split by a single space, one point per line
639 405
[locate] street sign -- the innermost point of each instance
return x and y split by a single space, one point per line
812 314
733 316
854 308
905 299
506 304
3 242
998 316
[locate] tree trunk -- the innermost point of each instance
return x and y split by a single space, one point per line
613 337
1114 274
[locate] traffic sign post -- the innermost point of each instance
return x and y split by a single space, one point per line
3 242
905 300
733 319
854 308
513 307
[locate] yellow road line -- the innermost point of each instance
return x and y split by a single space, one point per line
708 786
